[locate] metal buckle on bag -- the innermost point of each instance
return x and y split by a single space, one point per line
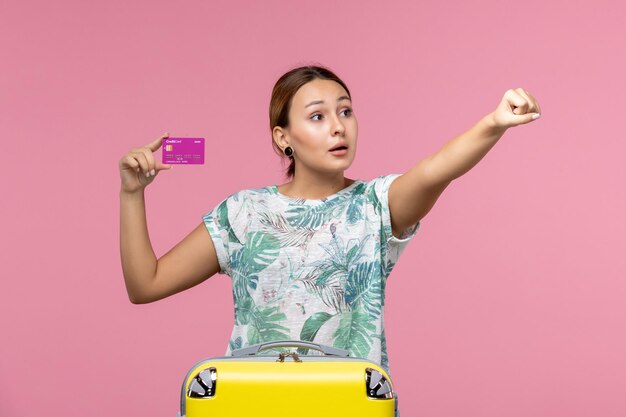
283 355
203 384
376 385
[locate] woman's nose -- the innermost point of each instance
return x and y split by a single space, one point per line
338 127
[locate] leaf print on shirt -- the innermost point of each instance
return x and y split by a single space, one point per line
260 250
372 198
341 258
244 306
331 294
263 326
384 361
353 333
355 213
362 293
322 289
224 222
311 326
386 269
315 216
286 234
235 344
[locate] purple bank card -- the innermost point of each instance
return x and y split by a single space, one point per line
183 150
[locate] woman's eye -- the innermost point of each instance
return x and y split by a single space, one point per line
346 110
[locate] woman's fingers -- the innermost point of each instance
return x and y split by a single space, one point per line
140 162
154 166
140 156
144 155
518 100
147 153
142 159
535 103
129 161
532 105
156 144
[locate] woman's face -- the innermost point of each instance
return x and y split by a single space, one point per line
321 119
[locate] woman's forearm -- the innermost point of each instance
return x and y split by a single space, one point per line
138 259
463 152
413 194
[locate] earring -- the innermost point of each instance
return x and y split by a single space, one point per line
288 151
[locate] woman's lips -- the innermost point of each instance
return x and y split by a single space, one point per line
340 152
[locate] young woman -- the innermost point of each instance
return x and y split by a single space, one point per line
308 259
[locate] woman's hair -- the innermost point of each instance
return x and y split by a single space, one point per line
282 97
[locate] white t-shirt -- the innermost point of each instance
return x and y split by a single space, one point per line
312 270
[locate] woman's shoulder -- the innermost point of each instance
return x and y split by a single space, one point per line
381 183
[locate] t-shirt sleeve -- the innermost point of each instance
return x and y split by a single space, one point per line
391 246
218 225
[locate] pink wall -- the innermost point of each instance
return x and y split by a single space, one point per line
509 301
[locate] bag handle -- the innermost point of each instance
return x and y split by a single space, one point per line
254 349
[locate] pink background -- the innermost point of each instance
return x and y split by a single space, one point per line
510 301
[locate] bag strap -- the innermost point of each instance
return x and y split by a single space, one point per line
254 349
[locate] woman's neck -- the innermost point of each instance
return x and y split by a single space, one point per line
314 188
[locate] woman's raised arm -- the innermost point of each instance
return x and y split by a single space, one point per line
187 264
414 193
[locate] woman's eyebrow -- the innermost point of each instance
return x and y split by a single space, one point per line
322 101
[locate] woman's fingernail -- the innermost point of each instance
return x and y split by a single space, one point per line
152 172
147 174
536 116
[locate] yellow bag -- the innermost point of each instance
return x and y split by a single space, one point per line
250 384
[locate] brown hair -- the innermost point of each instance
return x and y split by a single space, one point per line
282 95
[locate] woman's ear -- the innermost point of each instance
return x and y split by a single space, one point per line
280 137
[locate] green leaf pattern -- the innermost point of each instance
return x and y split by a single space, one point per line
312 270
